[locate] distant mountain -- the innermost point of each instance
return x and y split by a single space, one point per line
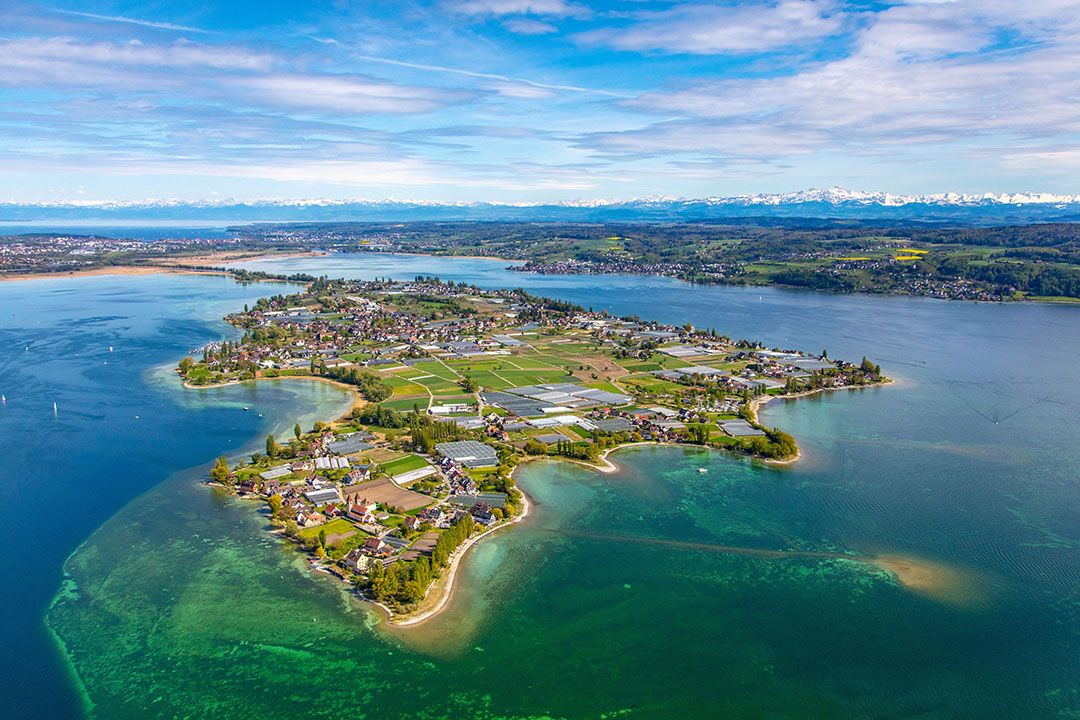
835 203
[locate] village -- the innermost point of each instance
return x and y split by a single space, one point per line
456 387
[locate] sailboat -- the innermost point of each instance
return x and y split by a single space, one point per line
54 410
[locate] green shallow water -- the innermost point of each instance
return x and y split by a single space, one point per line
617 597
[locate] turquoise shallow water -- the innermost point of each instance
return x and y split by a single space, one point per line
650 592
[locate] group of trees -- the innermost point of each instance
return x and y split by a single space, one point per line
371 387
380 416
426 433
588 452
220 472
406 583
450 539
775 445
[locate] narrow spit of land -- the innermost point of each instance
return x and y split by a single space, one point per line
168 264
456 387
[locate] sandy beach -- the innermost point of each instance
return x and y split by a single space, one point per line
234 256
163 266
111 270
442 590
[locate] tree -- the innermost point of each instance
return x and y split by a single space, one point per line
322 538
272 447
275 501
297 431
185 365
220 472
535 447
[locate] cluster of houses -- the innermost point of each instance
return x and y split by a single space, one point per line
327 335
319 498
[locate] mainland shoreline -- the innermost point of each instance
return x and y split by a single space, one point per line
170 265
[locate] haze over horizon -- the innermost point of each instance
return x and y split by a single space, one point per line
535 100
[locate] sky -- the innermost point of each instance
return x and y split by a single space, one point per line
535 100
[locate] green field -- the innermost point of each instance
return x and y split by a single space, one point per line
405 404
436 368
438 385
337 526
403 465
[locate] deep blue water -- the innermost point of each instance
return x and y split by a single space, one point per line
121 426
973 458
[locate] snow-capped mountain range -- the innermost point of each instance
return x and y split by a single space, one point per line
833 203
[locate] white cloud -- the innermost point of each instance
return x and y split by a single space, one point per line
720 29
353 94
916 76
529 26
209 72
488 76
730 141
499 8
521 91
136 21
66 58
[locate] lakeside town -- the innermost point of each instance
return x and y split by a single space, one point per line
455 388
983 264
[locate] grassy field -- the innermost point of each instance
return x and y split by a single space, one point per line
438 385
405 404
436 368
336 527
404 465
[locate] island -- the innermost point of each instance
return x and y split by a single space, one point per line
455 388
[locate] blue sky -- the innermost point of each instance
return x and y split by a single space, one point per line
535 100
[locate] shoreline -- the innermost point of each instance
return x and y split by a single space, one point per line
120 270
757 403
358 402
173 265
175 262
437 255
445 586
446 583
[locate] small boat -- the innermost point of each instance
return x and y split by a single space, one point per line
110 348
54 411
703 470
245 408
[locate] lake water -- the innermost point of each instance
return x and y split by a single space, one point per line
654 592
131 230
